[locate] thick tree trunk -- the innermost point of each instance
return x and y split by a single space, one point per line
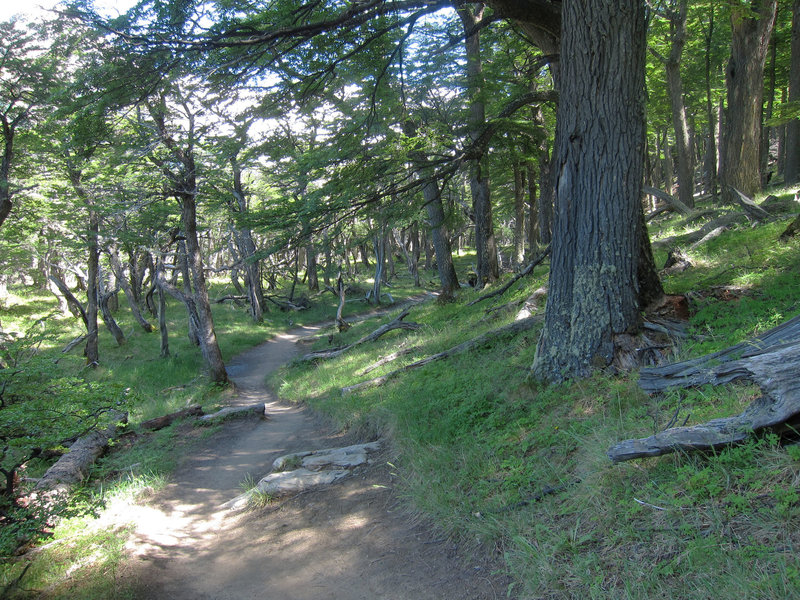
791 167
711 114
533 212
8 128
311 267
599 152
741 140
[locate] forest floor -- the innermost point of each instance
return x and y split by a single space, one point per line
351 540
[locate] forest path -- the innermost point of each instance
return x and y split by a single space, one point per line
350 540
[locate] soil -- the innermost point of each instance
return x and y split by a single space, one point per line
352 540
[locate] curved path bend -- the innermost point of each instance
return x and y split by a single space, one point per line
350 541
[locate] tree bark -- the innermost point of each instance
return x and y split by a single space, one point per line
599 154
791 167
519 214
741 140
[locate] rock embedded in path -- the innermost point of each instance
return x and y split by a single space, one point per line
315 468
316 460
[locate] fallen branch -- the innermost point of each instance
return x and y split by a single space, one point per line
386 359
73 467
698 234
753 211
670 199
510 329
526 271
770 361
231 298
166 420
78 340
396 323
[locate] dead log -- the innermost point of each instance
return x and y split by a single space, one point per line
510 329
526 271
689 238
232 298
385 360
770 361
195 410
670 199
753 211
396 323
256 410
74 466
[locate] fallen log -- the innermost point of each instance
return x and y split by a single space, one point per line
256 410
73 467
385 360
526 271
670 199
753 211
194 410
510 329
770 361
396 323
792 230
689 238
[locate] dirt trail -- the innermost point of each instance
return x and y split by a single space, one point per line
348 541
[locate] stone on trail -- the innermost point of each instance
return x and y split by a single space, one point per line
314 468
315 460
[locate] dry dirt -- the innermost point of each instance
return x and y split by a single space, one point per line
352 540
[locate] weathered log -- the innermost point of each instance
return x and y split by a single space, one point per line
256 410
753 211
526 271
670 199
771 361
385 360
78 340
195 410
396 323
232 298
694 236
74 466
510 329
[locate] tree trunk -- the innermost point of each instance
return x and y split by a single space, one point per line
711 115
436 220
766 131
599 153
116 268
485 245
191 309
206 334
533 212
741 140
311 267
519 215
679 123
791 167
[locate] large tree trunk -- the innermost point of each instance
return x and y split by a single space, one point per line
485 245
599 152
741 140
711 114
791 166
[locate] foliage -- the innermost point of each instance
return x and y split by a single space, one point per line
40 410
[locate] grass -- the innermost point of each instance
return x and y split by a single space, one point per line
497 459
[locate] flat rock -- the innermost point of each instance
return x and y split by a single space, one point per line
285 483
316 460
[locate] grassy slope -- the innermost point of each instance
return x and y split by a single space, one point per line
478 444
